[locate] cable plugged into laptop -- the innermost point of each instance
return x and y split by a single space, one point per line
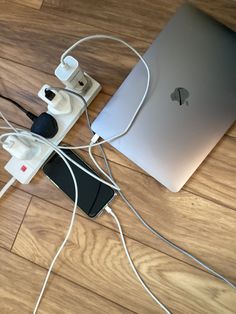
70 73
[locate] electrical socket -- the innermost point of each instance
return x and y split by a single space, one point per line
25 170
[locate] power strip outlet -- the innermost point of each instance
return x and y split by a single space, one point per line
25 170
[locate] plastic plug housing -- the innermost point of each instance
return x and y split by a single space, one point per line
20 148
24 170
71 75
58 102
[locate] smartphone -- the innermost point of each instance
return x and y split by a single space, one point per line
93 195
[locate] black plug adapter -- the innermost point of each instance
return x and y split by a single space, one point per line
45 125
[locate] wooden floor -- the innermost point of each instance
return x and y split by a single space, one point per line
92 274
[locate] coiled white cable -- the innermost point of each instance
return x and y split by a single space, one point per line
144 94
209 269
114 184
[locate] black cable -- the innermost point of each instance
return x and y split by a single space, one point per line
15 103
28 113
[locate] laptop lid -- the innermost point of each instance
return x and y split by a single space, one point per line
191 102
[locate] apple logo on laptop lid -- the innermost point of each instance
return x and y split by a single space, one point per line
181 95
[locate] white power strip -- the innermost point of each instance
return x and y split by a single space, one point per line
25 170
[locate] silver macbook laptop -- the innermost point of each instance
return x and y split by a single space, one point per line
191 102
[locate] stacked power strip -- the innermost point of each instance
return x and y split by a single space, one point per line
24 170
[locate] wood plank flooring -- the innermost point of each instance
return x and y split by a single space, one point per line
92 274
36 4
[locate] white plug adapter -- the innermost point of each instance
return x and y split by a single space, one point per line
25 170
58 102
71 75
19 148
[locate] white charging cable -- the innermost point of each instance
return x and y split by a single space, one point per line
157 234
66 237
94 138
115 186
141 101
100 168
71 225
110 211
30 135
151 229
72 221
8 123
72 217
7 186
209 269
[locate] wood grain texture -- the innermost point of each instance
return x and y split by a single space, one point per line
141 19
43 52
219 167
175 216
94 258
21 282
135 179
223 11
30 81
36 4
201 218
12 209
232 130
